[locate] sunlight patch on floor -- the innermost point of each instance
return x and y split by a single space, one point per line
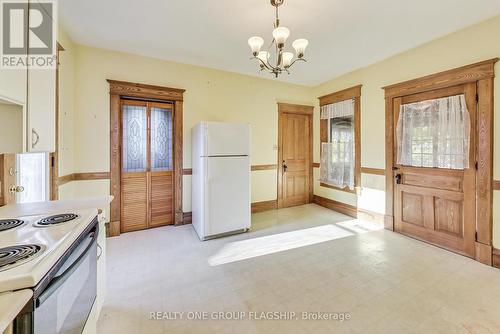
250 248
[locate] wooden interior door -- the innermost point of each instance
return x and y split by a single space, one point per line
295 159
147 165
438 205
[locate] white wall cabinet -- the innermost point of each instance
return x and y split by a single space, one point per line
35 90
41 110
13 85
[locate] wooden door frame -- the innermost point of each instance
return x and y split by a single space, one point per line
297 109
482 74
122 89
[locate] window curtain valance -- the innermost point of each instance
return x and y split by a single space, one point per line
339 109
434 133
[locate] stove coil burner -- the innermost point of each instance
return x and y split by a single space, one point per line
7 224
14 256
56 219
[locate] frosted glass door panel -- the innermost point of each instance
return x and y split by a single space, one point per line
161 139
134 138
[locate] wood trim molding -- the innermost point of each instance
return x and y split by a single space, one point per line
331 204
496 258
91 176
189 171
374 171
348 93
329 186
131 89
263 167
121 89
187 218
295 108
469 73
264 206
482 75
341 95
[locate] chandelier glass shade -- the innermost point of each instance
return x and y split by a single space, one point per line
283 60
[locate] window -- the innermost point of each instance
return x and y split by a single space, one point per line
33 176
434 133
340 166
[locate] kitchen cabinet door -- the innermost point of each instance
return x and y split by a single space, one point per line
13 85
41 110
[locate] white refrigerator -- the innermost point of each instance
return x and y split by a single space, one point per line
221 179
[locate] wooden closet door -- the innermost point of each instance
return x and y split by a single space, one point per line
147 165
161 161
134 176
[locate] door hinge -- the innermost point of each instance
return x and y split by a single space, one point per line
476 235
53 161
476 165
477 98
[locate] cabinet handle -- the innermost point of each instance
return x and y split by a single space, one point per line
36 136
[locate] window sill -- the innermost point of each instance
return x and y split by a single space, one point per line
346 189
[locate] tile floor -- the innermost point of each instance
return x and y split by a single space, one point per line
302 259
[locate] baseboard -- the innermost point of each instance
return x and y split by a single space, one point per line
371 216
389 222
264 206
496 258
484 253
187 218
331 204
113 229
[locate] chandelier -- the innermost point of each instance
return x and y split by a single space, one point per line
283 60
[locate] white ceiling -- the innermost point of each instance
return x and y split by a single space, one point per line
343 34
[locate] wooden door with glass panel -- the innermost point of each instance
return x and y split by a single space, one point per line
147 165
434 184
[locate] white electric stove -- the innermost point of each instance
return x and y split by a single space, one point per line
31 246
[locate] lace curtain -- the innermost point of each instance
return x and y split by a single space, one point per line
337 155
434 133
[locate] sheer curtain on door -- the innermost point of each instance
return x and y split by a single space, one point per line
434 133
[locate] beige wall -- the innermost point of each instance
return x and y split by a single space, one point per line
217 95
66 105
473 44
210 95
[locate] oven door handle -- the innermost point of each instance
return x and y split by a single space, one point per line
57 281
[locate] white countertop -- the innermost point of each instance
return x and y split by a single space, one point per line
43 208
11 303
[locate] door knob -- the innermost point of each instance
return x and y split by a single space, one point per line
284 166
398 178
16 189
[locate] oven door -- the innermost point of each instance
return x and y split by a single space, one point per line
63 307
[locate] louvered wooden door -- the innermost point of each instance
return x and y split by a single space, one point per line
437 205
147 165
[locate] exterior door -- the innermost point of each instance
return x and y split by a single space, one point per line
436 205
295 159
147 165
